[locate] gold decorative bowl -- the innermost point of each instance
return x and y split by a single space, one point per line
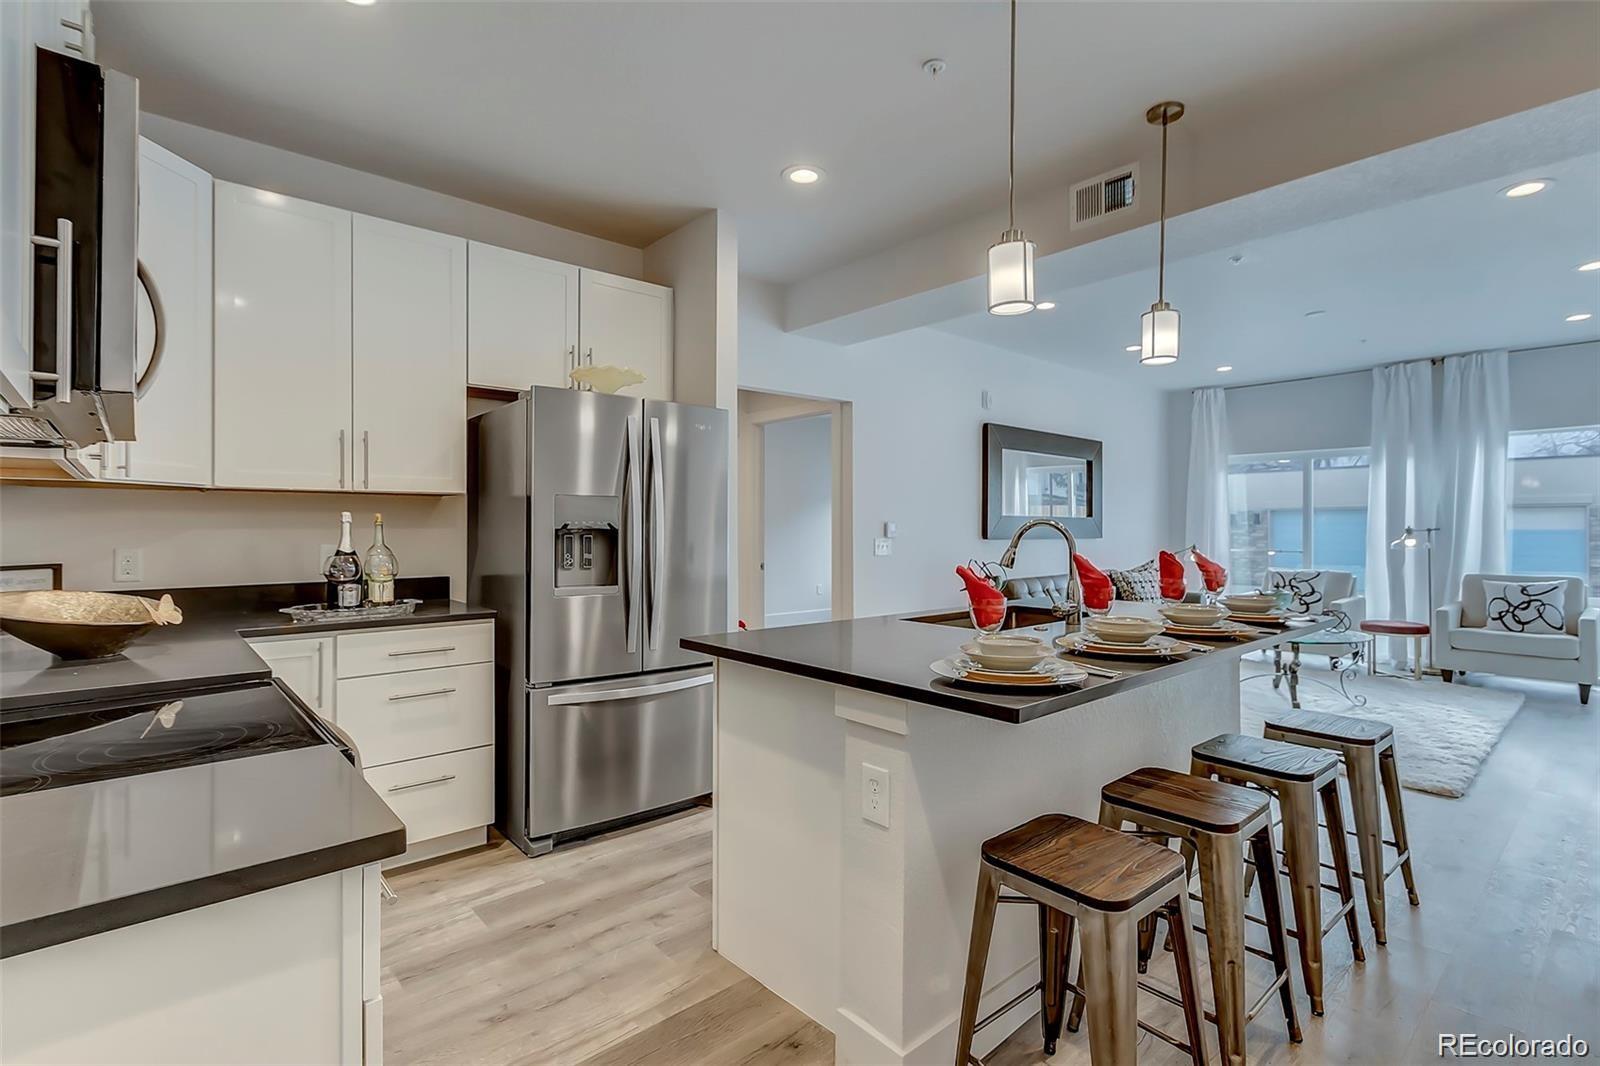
82 625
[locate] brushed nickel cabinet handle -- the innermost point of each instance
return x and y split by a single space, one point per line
419 784
341 458
421 651
419 695
366 460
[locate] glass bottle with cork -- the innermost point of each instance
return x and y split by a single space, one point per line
381 567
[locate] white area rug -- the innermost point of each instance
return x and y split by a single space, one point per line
1442 732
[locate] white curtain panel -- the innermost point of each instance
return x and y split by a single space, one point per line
1474 420
1400 492
1206 513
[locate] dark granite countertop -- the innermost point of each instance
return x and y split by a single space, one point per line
99 855
890 655
208 648
96 855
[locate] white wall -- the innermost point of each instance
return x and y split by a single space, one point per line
190 537
918 459
235 159
797 520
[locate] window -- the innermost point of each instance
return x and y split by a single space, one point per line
1300 510
1554 522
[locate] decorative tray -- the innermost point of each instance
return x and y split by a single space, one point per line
321 612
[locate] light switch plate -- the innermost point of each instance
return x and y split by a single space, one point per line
882 546
876 791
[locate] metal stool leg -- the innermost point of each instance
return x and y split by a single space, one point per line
1111 985
1333 813
1361 766
1264 863
988 896
1390 771
1222 901
1179 922
1305 881
1055 948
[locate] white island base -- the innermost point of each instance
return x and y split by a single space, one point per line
864 927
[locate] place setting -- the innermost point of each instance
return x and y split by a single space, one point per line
1121 636
1009 661
1206 621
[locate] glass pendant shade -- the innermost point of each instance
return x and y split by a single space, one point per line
1011 275
1158 335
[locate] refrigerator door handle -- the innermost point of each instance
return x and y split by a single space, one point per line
630 525
639 692
653 563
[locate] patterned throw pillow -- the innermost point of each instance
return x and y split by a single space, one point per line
1531 607
1143 582
1307 587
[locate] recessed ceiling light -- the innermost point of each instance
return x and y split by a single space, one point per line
803 174
1045 305
1284 460
1595 265
1581 316
1132 348
1315 314
1526 188
1224 369
361 3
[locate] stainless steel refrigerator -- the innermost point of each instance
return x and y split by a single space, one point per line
598 531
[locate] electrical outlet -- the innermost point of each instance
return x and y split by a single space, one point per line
819 590
875 793
882 546
127 564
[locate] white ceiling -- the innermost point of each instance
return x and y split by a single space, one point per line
626 119
1462 270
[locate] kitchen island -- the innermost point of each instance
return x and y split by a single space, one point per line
854 787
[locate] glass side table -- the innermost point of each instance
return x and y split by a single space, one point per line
1347 649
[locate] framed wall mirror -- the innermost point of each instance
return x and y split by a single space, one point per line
1031 474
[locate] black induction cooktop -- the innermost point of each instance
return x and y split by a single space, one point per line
53 747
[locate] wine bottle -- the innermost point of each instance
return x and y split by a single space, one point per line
382 567
343 570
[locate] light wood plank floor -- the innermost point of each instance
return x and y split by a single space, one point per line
601 954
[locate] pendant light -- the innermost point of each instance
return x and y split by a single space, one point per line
1158 327
1011 258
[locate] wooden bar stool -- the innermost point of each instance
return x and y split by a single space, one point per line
1214 820
1299 777
1103 882
1367 748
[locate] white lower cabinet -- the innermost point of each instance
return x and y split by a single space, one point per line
418 704
214 984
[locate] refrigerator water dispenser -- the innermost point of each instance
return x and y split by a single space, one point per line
587 544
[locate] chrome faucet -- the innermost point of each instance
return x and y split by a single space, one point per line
1069 608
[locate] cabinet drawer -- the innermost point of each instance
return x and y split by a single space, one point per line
419 712
439 794
388 651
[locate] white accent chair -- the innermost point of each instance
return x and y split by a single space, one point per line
1337 590
1462 641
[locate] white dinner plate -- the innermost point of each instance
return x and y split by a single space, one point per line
1275 619
1224 630
1056 674
1157 647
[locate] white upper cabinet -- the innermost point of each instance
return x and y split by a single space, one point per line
283 364
522 319
410 344
174 395
627 323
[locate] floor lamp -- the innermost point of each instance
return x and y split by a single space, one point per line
1408 539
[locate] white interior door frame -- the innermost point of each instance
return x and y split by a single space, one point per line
756 411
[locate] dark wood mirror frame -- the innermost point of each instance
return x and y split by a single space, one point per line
996 439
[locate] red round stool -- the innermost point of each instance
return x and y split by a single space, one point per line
1396 627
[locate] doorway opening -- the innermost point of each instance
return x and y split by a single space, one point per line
794 510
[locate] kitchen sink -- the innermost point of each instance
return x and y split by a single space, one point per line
1017 617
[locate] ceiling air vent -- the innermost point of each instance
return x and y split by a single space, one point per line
1100 197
